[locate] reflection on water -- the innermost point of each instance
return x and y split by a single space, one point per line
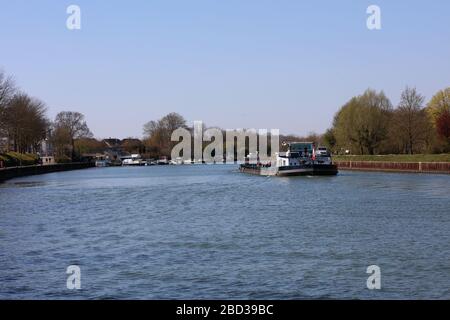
26 184
211 232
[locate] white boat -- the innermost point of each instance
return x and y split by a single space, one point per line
177 161
133 160
102 163
163 161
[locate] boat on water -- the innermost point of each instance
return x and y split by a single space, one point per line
133 160
162 161
301 159
102 163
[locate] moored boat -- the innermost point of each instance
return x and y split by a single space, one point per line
133 160
102 163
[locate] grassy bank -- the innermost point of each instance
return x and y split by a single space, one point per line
13 159
397 158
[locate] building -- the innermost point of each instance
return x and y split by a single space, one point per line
4 145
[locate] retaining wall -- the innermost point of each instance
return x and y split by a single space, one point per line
417 167
15 172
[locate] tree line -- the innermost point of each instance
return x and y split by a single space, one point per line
157 138
369 124
24 123
366 124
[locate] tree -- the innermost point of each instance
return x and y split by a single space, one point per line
362 123
89 145
61 141
25 122
443 125
374 119
329 140
410 121
74 127
157 134
172 121
439 104
7 91
151 128
132 145
7 88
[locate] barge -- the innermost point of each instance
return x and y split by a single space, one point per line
301 159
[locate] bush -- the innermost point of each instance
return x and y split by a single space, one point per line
63 159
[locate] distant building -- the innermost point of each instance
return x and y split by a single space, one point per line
132 145
112 142
47 160
46 147
4 145
114 148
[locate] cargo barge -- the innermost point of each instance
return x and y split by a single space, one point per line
301 159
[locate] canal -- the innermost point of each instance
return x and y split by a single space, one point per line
185 232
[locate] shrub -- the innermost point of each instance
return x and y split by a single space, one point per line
63 159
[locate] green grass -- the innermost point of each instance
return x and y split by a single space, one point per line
397 158
11 159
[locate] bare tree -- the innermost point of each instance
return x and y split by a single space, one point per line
61 141
173 121
7 90
157 133
74 126
25 122
150 128
410 121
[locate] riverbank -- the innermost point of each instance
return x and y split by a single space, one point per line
444 157
412 167
15 172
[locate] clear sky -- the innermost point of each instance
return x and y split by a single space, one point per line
232 63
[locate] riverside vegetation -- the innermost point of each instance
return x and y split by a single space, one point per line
368 127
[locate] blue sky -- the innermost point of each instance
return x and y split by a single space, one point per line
231 63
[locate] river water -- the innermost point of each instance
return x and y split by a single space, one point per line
209 231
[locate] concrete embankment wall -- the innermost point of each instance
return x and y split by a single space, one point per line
416 167
15 172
